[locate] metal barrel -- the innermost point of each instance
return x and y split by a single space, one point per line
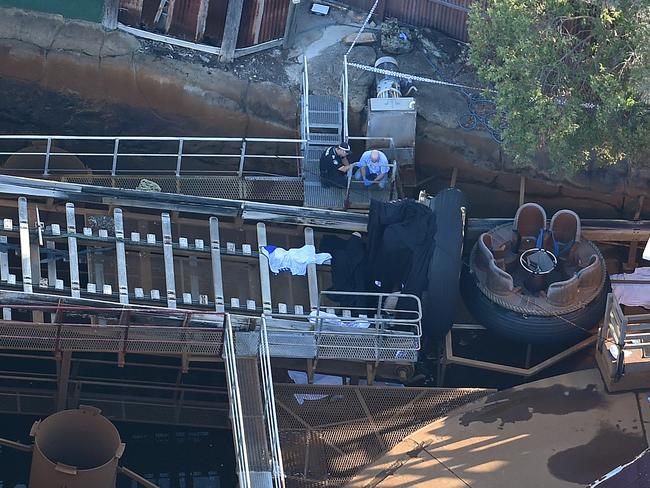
75 448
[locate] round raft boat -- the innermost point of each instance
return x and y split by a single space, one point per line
537 284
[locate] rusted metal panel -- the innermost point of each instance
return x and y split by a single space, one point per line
184 19
262 21
215 22
246 34
274 20
130 12
448 16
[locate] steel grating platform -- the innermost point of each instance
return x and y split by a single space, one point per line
324 112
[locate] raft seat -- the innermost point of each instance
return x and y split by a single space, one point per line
589 276
499 280
565 229
530 220
562 293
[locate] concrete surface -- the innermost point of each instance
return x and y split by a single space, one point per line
559 432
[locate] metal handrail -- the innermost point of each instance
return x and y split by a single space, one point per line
277 467
114 154
388 332
344 95
305 98
236 411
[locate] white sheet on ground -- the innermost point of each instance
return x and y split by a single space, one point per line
300 378
633 295
294 260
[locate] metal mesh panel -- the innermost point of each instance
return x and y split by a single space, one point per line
329 433
106 339
43 337
368 347
211 186
274 188
175 340
27 337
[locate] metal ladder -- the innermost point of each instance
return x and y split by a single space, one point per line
322 122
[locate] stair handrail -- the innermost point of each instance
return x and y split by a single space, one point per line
236 415
277 467
344 96
305 102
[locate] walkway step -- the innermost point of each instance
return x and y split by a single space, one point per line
253 413
319 197
324 139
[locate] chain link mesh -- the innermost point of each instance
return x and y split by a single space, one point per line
329 433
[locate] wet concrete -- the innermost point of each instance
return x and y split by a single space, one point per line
560 432
520 405
609 447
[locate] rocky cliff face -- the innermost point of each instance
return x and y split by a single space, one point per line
109 71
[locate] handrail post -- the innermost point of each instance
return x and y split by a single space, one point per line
116 147
242 158
46 168
179 159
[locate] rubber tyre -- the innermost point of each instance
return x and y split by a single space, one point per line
440 299
533 329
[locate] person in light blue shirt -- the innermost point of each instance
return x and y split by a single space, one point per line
373 168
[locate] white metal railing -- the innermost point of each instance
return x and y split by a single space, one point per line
344 96
236 411
305 133
379 331
177 157
277 468
621 332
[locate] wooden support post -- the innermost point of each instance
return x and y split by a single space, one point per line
4 271
25 250
71 225
215 251
201 20
120 253
522 190
231 30
63 380
51 264
109 16
288 27
265 274
371 372
312 276
194 278
454 177
169 260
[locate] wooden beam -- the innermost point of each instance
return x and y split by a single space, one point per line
217 277
169 260
63 378
312 277
201 20
454 177
265 274
109 16
25 248
289 25
231 30
120 253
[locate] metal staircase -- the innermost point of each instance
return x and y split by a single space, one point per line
324 124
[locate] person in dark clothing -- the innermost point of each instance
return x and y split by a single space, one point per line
334 165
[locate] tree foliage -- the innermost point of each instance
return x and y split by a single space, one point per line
570 75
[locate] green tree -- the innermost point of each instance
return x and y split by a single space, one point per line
570 75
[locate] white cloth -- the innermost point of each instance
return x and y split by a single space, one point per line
300 378
333 319
294 260
633 295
